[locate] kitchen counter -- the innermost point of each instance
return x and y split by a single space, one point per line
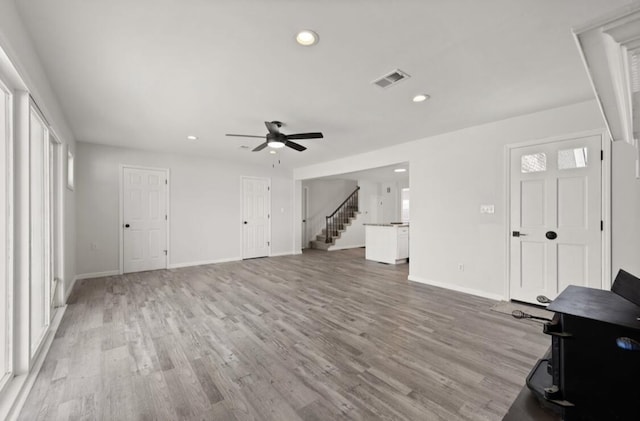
387 243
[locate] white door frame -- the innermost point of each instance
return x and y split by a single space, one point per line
58 229
167 174
305 217
605 201
242 178
7 190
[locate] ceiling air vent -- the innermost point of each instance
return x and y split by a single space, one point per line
391 78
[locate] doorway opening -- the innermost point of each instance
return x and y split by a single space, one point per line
382 197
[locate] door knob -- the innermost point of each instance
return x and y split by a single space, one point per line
126 225
551 235
245 222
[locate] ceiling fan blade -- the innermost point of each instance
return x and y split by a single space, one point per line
294 145
272 127
316 135
244 135
260 147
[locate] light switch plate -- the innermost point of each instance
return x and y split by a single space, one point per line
487 209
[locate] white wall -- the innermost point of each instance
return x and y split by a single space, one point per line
625 210
324 197
451 175
205 214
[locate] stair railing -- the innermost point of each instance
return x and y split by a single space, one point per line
336 221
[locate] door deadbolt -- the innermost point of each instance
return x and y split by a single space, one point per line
551 235
126 225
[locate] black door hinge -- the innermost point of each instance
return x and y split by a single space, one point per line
601 225
601 155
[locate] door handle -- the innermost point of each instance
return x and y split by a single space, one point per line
518 234
551 235
126 225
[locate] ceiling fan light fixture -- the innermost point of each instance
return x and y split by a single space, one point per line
421 98
276 144
307 38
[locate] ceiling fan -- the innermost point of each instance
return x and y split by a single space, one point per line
275 139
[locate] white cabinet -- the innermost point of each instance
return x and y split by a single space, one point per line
387 243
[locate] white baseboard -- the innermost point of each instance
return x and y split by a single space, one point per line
203 262
286 253
16 393
178 265
97 274
67 293
453 287
332 248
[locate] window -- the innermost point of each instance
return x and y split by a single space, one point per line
405 204
40 282
536 162
572 158
70 169
5 238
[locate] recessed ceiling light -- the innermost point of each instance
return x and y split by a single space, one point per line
307 38
400 170
273 152
421 98
192 137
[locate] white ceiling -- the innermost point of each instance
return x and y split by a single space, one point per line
147 73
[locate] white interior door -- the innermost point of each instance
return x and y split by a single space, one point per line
556 208
144 210
256 205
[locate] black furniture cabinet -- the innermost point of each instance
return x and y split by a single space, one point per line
592 371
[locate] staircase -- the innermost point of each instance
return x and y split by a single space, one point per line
337 223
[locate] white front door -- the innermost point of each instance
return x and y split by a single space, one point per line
556 208
256 205
144 211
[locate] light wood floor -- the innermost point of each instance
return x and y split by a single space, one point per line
319 336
